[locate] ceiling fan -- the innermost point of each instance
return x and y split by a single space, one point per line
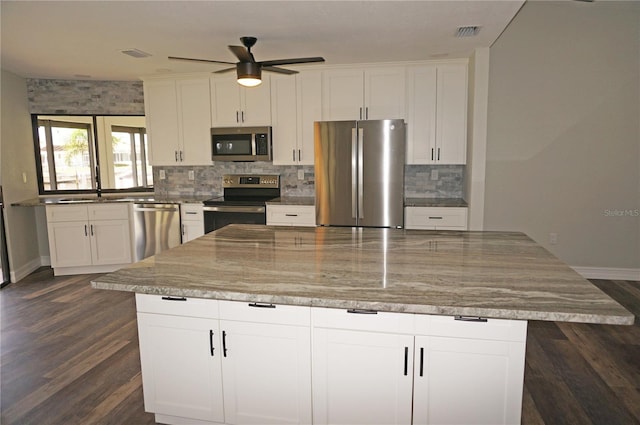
249 71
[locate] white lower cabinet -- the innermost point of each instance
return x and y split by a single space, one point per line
87 238
382 369
361 377
192 221
207 361
181 367
291 215
435 218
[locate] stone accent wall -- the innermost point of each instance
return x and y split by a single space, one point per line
208 180
82 97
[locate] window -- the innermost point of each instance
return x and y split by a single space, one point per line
66 155
129 149
92 153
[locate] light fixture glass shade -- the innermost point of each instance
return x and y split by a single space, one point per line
249 74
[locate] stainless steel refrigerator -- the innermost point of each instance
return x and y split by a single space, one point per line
359 173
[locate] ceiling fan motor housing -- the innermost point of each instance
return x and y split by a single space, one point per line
249 70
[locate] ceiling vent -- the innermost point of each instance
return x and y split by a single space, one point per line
468 31
135 53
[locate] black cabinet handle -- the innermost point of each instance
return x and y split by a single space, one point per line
261 305
471 319
224 344
291 215
406 361
434 218
91 226
174 298
237 114
211 341
361 311
85 230
421 361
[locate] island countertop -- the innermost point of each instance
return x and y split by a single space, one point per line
488 274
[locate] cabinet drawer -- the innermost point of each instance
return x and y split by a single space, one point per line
265 313
435 218
108 212
177 306
192 212
362 320
471 327
291 215
66 213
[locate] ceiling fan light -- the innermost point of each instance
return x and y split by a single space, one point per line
249 74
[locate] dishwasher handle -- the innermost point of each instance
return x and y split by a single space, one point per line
152 207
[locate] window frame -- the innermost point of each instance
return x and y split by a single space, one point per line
94 151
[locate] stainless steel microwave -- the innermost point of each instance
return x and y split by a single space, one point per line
241 144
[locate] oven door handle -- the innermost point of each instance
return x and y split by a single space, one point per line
235 209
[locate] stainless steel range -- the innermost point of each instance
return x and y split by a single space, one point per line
244 200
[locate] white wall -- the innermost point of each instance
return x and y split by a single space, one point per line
16 144
563 132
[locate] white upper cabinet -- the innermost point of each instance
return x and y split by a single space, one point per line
437 114
296 102
357 94
234 105
178 121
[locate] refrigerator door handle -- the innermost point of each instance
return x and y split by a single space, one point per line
354 173
360 174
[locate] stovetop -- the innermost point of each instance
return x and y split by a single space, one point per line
243 189
235 200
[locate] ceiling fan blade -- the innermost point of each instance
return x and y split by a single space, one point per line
291 61
279 70
242 53
222 71
199 60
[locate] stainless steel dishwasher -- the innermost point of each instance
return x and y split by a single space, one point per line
156 228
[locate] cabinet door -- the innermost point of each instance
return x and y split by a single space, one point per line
191 230
361 377
161 112
421 114
110 242
69 243
181 371
451 127
225 101
309 111
463 381
384 93
284 120
256 103
342 95
195 121
267 373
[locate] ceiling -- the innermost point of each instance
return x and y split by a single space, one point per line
84 39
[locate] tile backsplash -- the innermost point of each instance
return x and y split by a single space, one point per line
421 181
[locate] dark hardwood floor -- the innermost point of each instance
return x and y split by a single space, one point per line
69 355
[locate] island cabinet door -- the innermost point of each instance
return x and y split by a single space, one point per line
181 367
361 377
464 381
267 373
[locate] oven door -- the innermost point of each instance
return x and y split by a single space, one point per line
216 217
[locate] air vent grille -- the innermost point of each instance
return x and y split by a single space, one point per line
135 53
468 31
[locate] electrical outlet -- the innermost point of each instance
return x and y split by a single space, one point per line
300 174
163 175
553 238
434 174
192 175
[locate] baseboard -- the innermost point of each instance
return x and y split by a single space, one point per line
25 270
609 273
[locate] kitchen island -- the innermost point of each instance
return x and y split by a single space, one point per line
259 323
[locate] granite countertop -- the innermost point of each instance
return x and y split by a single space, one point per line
488 274
293 200
137 198
435 202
